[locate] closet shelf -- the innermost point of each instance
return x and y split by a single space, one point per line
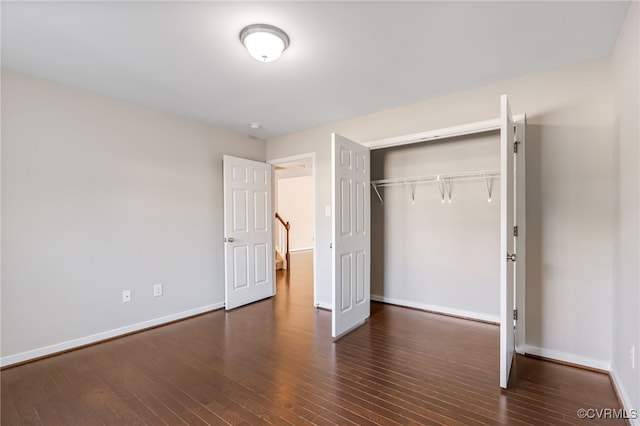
443 180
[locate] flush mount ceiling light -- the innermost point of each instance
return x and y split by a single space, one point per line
264 42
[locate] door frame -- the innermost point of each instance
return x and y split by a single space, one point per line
289 159
521 220
519 121
474 128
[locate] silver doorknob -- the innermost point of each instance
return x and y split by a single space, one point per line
229 240
511 257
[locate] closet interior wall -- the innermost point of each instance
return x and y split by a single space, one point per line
432 255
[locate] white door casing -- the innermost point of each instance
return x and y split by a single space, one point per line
297 158
248 228
351 257
521 239
505 124
507 246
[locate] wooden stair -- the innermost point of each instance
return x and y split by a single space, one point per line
279 261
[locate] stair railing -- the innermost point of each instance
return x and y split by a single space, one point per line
287 227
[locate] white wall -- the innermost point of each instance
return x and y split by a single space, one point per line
569 195
295 204
99 196
626 310
441 257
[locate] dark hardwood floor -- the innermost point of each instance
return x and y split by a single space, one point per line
274 362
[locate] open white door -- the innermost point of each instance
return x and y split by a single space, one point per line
248 253
507 246
351 235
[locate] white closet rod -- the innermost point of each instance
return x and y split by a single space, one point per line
435 178
443 181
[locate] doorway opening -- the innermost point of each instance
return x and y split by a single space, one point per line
294 226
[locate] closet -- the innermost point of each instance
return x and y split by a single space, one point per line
474 170
435 226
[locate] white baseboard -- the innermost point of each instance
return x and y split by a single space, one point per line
301 249
626 402
439 309
323 305
568 357
533 350
109 334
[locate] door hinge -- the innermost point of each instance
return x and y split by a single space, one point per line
515 147
515 231
515 314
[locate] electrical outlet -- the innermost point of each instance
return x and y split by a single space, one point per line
126 295
157 290
632 354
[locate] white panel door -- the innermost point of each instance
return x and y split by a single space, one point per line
248 253
507 246
351 235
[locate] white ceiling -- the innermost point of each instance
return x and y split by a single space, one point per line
346 58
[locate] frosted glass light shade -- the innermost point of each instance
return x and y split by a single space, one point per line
264 42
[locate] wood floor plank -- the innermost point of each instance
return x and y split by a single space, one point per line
23 404
274 362
169 403
333 409
10 413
